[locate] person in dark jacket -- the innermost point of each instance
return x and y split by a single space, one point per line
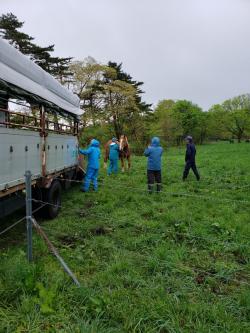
154 153
113 156
93 153
190 159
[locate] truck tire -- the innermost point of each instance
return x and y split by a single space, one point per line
53 197
37 194
69 176
80 175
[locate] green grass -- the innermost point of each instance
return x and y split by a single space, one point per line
159 263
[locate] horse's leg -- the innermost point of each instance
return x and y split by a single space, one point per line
106 155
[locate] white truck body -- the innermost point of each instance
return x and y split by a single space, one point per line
22 150
35 141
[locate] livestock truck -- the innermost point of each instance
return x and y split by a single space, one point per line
43 140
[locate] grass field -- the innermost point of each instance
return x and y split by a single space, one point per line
171 262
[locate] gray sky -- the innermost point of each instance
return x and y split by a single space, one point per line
182 49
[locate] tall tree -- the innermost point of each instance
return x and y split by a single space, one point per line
128 111
109 96
237 116
119 100
164 123
188 117
87 83
9 30
123 76
216 128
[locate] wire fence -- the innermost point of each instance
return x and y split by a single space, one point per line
20 220
207 182
167 193
144 191
102 216
12 226
187 236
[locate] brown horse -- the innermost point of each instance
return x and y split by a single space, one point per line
125 153
106 155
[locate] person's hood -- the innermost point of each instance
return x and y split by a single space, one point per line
94 143
155 141
189 139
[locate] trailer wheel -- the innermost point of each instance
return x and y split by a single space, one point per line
69 176
53 197
37 194
80 174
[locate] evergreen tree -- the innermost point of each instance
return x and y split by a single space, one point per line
109 96
9 26
122 76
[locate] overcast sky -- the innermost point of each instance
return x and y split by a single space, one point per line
182 49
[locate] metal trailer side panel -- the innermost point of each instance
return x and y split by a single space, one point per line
61 152
20 150
2 119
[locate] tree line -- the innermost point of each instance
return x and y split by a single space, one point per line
230 120
112 102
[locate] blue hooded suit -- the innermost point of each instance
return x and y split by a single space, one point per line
93 153
154 153
113 157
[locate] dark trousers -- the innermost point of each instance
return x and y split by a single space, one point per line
154 177
190 165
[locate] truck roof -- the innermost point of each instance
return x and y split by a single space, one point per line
17 69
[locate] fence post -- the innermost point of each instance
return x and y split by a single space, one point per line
29 213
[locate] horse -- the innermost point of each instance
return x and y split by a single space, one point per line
106 155
125 153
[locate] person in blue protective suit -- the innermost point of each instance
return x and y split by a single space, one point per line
113 156
154 153
93 153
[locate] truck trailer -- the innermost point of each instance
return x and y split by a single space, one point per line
43 140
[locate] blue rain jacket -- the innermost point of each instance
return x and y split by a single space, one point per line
154 153
113 151
93 152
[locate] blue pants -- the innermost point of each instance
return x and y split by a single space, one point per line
190 165
113 166
91 175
